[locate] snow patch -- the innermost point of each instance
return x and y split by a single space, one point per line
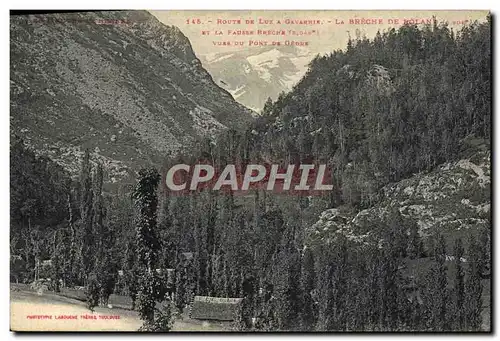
482 178
214 57
263 62
238 92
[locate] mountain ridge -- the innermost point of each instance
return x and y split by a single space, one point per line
253 76
119 83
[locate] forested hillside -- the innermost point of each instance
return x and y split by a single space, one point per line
131 92
391 116
386 108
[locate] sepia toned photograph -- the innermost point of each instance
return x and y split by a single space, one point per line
251 171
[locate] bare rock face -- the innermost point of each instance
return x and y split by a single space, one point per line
454 200
119 83
378 77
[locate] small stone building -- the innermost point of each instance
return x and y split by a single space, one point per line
214 308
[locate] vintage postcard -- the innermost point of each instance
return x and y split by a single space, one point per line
250 171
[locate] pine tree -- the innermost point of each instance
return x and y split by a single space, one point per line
87 233
57 259
441 291
340 284
181 280
287 282
131 273
473 287
268 107
326 319
167 233
388 279
92 291
459 288
435 292
98 207
485 251
72 262
105 266
267 319
398 234
308 283
415 246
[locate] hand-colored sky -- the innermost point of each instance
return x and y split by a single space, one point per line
327 36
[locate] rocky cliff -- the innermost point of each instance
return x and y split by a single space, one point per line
117 82
454 200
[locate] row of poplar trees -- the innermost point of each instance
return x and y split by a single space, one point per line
255 252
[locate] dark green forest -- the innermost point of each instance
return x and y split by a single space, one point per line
376 112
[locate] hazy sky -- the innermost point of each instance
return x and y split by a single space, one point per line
322 30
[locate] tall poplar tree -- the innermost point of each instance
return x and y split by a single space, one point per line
473 287
87 233
150 290
459 285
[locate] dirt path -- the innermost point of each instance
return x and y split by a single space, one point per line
32 312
